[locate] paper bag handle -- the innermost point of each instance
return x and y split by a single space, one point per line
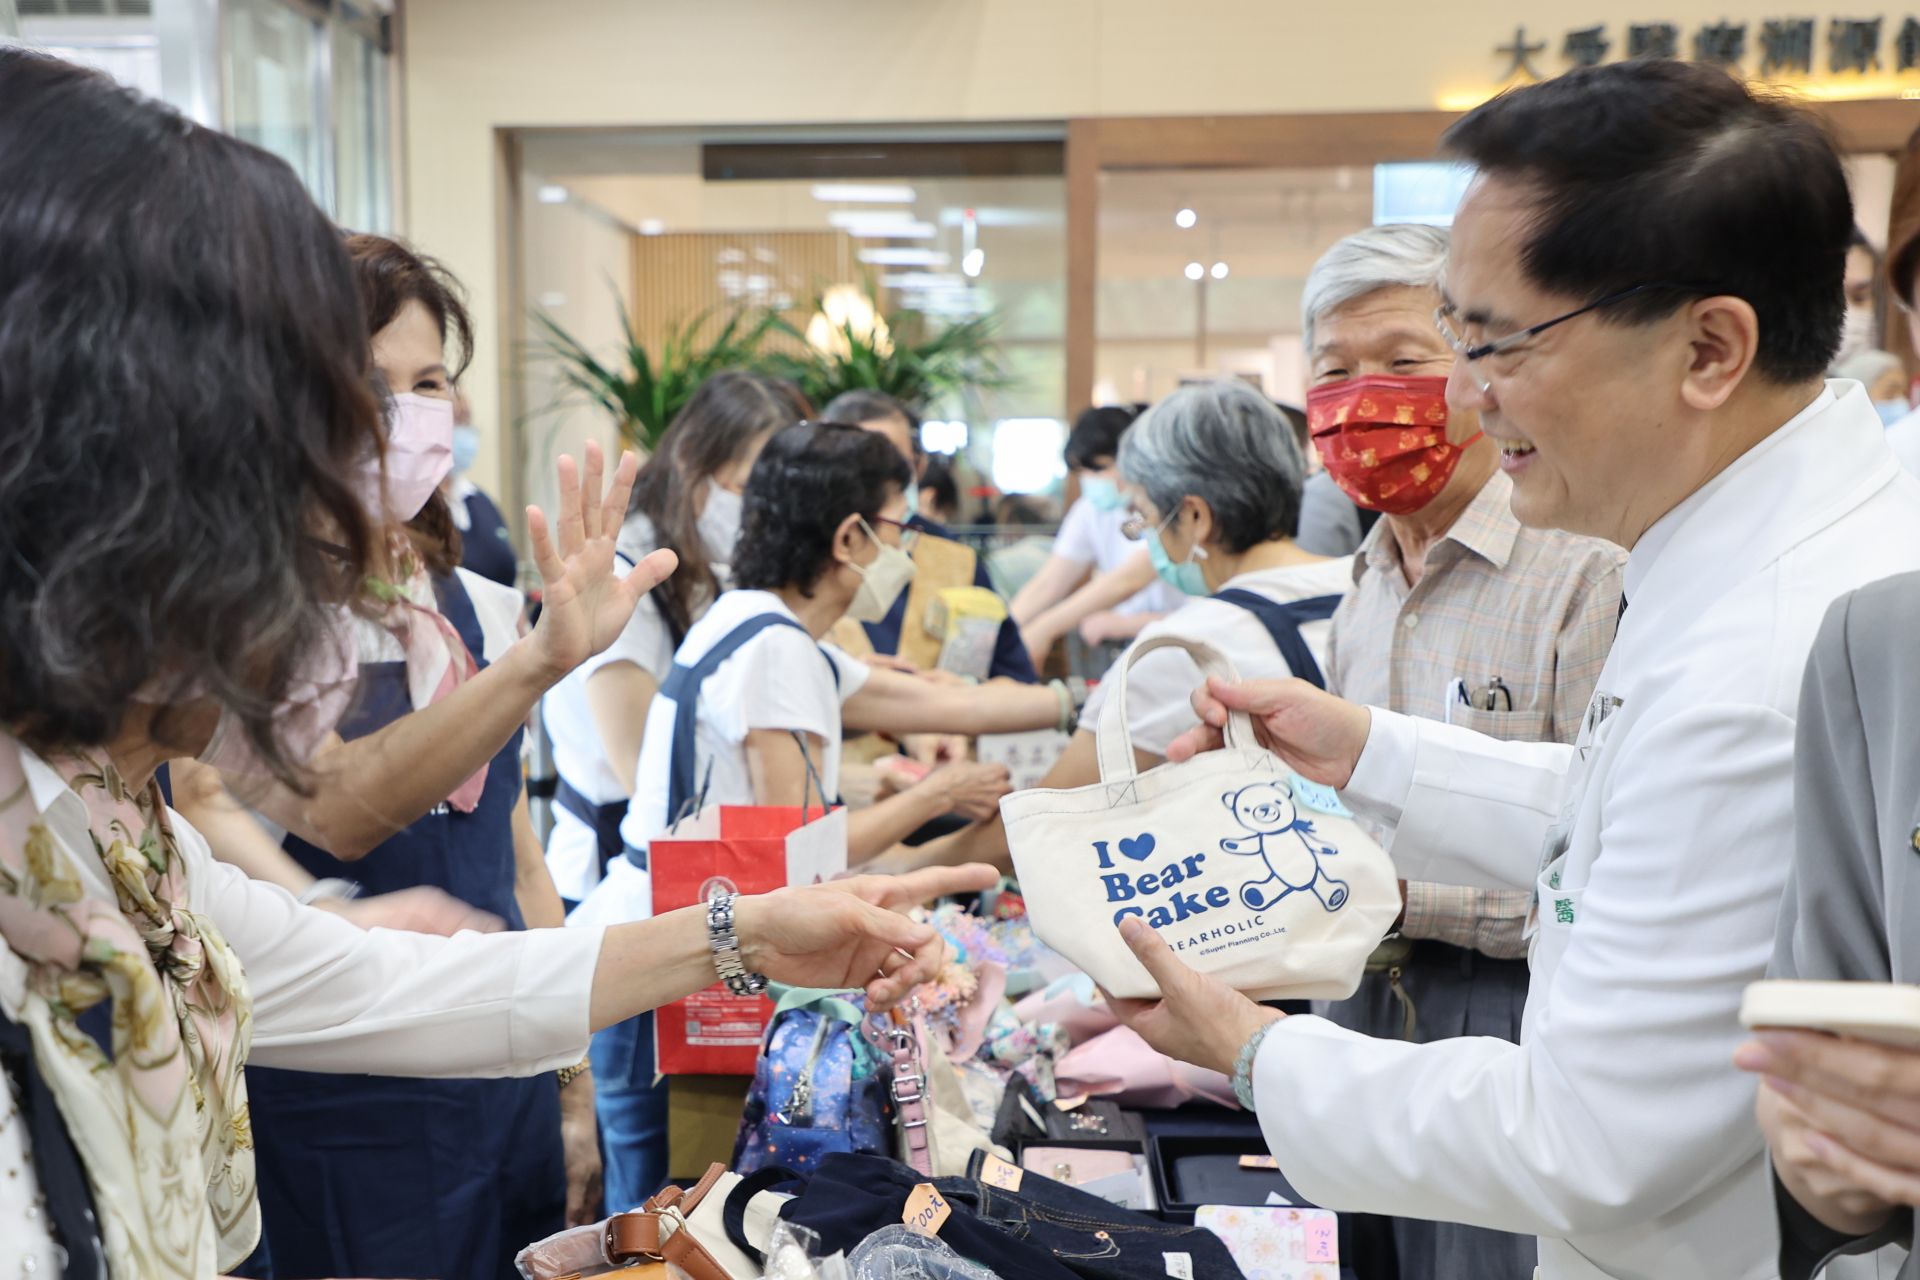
1117 761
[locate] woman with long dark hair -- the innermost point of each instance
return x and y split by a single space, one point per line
188 425
686 499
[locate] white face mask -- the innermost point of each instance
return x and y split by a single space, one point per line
880 582
1856 335
719 522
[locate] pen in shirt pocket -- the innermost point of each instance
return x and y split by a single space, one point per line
1495 697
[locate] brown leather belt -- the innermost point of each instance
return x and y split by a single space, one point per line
646 1236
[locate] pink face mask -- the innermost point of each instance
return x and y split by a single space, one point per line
419 457
315 703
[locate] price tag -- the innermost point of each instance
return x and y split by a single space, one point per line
1315 796
1323 1238
1260 1162
926 1210
1179 1265
996 1172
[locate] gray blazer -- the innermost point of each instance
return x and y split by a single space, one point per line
1852 908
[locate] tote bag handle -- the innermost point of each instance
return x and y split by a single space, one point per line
1117 762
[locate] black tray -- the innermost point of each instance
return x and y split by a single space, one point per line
1189 1171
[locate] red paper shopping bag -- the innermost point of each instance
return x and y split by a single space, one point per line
748 849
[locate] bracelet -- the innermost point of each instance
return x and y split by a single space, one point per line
568 1075
1243 1065
1062 692
328 890
726 947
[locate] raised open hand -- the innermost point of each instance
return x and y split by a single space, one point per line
586 602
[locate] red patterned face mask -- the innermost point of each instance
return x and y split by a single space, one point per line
1384 439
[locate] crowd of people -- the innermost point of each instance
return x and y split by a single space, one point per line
1584 576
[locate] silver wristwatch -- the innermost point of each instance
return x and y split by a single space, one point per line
726 947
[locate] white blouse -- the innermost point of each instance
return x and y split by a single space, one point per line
327 995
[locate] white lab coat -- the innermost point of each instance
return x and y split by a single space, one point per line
1617 1130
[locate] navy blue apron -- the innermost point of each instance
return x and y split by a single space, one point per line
485 548
1283 623
381 1176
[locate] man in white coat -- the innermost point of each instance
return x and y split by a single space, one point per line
1644 292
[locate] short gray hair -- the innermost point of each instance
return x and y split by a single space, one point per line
1228 445
1397 255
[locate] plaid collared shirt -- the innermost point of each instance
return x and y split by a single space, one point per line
1534 610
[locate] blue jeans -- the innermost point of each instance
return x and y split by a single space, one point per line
632 1111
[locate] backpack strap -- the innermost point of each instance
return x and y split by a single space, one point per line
682 688
1283 623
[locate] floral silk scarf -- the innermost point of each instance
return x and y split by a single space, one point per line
162 1126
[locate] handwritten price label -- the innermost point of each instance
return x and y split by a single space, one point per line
1323 1237
996 1172
926 1210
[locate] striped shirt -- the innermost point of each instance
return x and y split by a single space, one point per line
1532 609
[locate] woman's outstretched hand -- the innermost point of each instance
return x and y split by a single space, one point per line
585 602
852 933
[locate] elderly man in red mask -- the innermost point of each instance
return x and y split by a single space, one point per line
1457 613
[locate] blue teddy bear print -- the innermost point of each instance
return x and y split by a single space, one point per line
1286 842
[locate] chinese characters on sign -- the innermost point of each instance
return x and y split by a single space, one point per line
1653 40
1786 46
1521 52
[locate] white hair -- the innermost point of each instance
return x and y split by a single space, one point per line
1401 254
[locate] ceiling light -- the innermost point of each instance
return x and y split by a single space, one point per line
1195 271
1219 271
1185 218
652 227
903 258
862 193
974 263
552 193
853 219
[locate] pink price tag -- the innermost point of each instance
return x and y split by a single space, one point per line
1323 1238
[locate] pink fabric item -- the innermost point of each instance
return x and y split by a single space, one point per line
970 1031
1120 1065
316 701
434 646
1066 1007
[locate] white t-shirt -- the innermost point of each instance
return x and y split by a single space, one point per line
579 756
1094 537
777 680
1160 689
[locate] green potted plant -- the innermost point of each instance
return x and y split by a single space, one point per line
641 393
849 346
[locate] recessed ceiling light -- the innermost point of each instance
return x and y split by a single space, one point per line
1195 271
862 193
1185 218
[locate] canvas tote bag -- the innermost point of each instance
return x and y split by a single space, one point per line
1248 872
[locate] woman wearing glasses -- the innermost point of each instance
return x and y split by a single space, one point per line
753 709
1214 474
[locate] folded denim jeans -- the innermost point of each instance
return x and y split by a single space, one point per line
1044 1231
1096 1239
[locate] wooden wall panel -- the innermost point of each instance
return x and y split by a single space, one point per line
677 276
